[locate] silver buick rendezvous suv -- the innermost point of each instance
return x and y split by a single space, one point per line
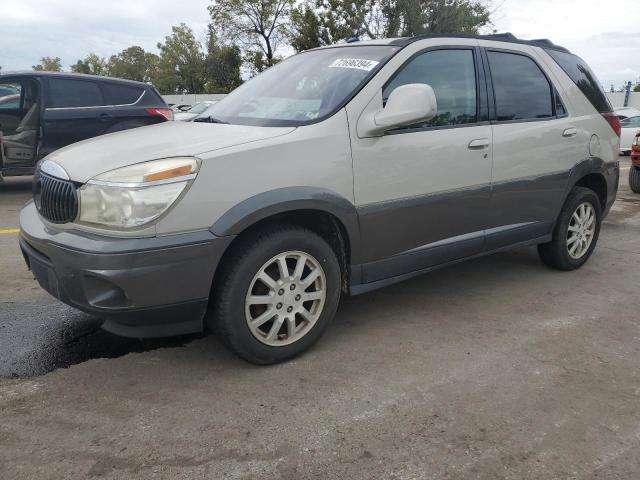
338 171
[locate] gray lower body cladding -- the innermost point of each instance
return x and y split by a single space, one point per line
160 288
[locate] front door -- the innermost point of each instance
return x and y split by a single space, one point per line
422 191
20 108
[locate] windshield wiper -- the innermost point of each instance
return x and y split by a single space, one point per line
209 119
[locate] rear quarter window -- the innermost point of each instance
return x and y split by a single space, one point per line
578 70
121 94
72 93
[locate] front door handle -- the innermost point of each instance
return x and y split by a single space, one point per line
479 144
570 132
104 117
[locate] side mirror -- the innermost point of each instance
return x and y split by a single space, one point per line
407 104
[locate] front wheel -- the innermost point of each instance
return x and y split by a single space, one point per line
576 232
634 179
277 292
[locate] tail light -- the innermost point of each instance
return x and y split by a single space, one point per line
614 121
165 113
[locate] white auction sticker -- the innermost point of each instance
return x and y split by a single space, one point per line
359 63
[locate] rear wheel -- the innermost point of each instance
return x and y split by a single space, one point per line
276 293
634 179
576 232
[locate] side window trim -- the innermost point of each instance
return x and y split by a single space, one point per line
106 97
482 107
492 103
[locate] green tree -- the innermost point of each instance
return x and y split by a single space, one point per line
330 21
258 26
133 63
91 65
222 65
181 66
49 64
636 88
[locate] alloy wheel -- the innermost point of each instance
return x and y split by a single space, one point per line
582 228
285 298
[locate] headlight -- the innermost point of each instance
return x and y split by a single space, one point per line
133 196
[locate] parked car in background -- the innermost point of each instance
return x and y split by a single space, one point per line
626 112
630 126
634 171
193 112
337 171
181 107
49 110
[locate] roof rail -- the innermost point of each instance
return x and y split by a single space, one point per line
498 37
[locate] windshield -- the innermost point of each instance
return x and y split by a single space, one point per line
302 89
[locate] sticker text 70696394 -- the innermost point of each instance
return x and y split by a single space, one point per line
359 63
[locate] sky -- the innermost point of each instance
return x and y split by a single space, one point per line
607 36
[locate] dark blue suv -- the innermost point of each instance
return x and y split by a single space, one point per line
43 111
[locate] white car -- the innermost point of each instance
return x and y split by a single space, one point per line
193 112
626 112
630 127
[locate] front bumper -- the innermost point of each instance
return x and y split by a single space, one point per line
141 287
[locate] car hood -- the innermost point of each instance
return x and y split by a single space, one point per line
84 160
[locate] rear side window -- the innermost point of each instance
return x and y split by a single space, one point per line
68 93
452 75
522 92
583 77
121 94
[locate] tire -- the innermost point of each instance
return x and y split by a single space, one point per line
634 179
558 252
240 276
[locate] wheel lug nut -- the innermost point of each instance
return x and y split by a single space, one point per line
292 287
289 309
279 306
298 298
281 291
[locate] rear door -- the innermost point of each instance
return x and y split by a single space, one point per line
535 142
74 111
124 106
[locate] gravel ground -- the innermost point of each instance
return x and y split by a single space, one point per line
498 368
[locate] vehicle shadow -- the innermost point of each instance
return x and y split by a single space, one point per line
38 338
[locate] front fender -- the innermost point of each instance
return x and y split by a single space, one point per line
282 200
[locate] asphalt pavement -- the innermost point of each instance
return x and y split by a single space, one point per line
498 368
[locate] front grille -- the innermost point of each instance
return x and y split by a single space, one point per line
55 199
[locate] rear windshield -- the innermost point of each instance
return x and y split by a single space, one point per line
303 89
583 77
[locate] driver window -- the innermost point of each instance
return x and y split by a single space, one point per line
452 75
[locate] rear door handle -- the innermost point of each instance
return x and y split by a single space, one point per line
570 132
479 144
104 117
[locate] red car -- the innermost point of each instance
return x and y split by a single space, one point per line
634 171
